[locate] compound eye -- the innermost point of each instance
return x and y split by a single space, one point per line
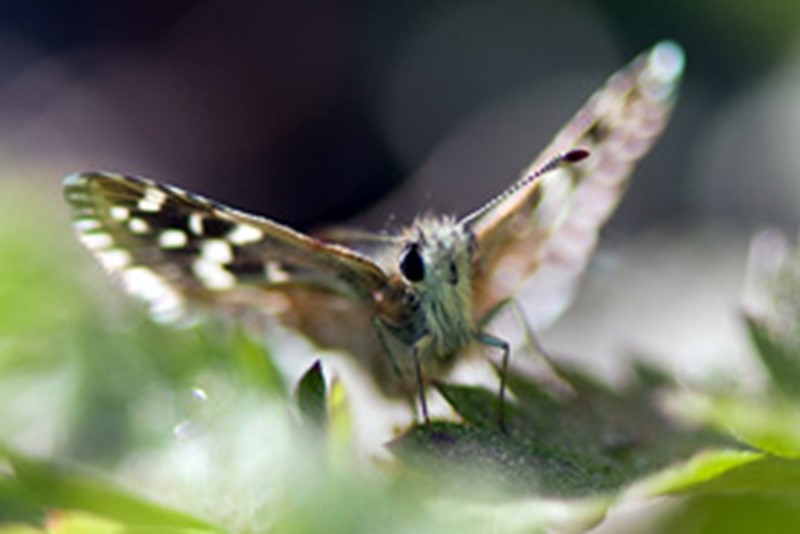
412 266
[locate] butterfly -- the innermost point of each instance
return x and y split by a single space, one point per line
407 304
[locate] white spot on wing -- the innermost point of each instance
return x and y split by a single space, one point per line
165 304
148 205
275 273
196 224
212 274
96 240
75 179
84 225
243 234
77 196
153 199
138 226
115 259
172 239
217 251
119 213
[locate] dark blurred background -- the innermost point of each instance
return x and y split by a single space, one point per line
311 111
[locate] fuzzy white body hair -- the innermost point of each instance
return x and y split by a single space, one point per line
440 322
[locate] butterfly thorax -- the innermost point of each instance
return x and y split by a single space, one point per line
431 302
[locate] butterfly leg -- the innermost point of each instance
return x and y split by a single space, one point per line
531 339
535 346
382 329
423 404
492 341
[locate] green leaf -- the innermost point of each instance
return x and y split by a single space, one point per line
476 405
255 363
20 529
731 512
36 296
771 424
340 421
83 523
702 471
781 359
758 473
312 396
51 486
581 440
504 464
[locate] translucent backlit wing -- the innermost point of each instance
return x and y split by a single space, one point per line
536 242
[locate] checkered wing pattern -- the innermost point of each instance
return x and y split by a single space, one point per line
172 248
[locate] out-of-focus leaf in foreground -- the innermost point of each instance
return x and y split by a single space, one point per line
49 487
312 396
755 490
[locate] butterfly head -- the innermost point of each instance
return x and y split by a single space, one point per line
437 252
434 263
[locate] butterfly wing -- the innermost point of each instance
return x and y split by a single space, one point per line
550 226
174 249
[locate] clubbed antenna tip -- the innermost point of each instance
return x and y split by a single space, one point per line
565 158
574 156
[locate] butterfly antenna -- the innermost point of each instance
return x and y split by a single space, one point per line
565 158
